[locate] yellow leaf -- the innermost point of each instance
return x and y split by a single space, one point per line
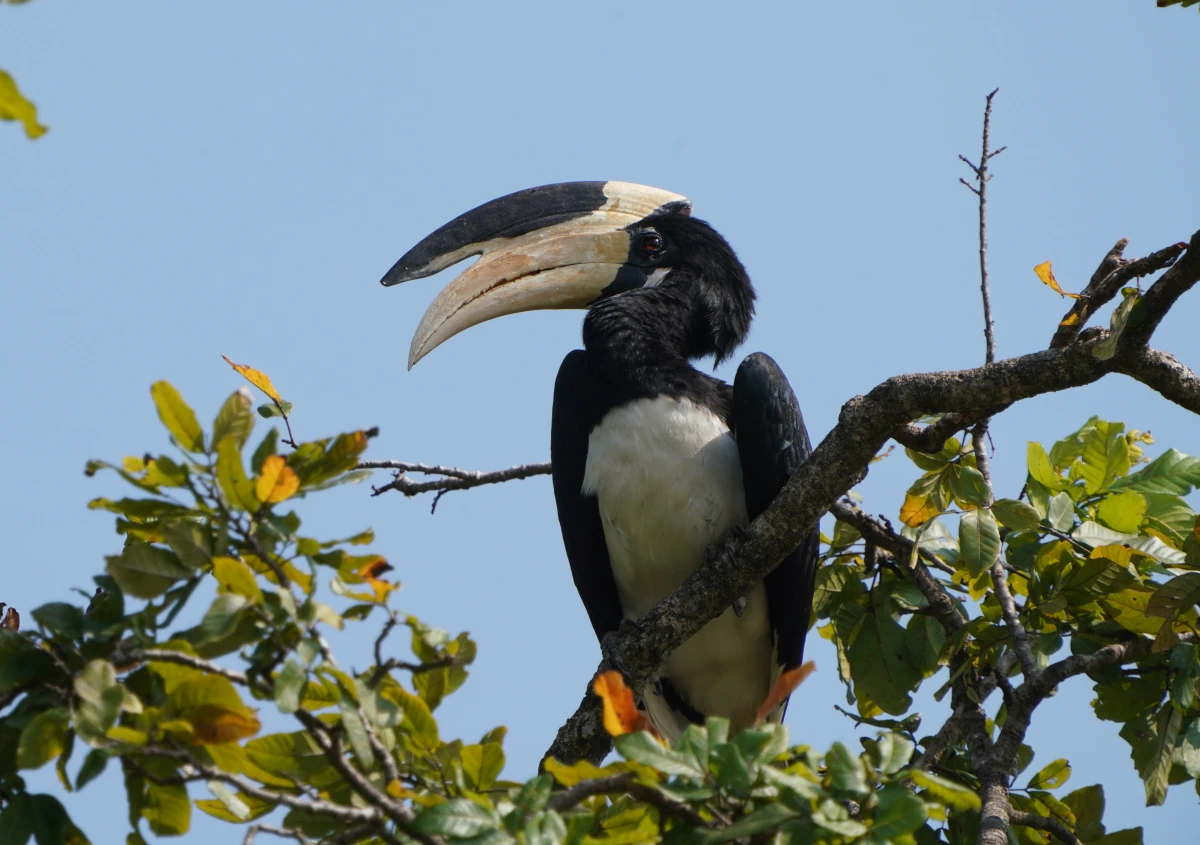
259 379
1118 553
1070 320
621 715
133 464
917 510
236 577
277 482
782 688
1047 276
581 771
14 106
212 724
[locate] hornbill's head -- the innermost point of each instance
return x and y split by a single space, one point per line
579 245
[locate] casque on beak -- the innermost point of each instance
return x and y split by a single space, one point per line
557 246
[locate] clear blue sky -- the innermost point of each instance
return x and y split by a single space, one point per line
236 180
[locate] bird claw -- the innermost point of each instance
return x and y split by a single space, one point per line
739 605
609 644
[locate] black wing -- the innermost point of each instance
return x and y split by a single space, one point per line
773 443
579 515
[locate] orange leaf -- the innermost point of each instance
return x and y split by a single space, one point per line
1070 320
621 715
917 510
277 482
1047 276
259 379
784 686
212 725
371 572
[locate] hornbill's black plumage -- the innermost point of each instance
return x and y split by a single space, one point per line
653 460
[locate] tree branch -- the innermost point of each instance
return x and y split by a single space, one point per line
1052 826
1113 272
453 478
626 782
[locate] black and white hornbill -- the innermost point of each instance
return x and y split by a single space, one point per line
653 460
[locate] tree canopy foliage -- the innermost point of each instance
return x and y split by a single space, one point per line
1101 548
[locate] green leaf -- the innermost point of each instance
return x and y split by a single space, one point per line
894 750
167 809
1040 469
92 767
267 447
936 460
642 748
733 775
1061 512
1189 748
979 540
146 571
458 818
60 617
1107 348
1177 595
420 728
1105 456
356 731
845 771
1052 775
899 812
1123 511
1088 806
177 416
1015 514
22 662
1152 739
482 764
43 738
969 487
880 664
235 419
951 793
100 699
767 817
16 821
1171 472
231 476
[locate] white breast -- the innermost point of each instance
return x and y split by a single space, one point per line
669 483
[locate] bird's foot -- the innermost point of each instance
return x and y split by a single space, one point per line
610 644
739 605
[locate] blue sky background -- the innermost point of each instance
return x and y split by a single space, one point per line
235 179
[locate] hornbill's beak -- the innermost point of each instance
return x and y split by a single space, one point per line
558 246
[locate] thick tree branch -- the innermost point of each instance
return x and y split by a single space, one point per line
1162 295
1113 272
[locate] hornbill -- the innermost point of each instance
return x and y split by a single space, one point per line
653 460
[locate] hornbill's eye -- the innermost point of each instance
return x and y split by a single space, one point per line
649 245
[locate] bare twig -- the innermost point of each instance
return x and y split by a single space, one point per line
453 478
982 178
1053 826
